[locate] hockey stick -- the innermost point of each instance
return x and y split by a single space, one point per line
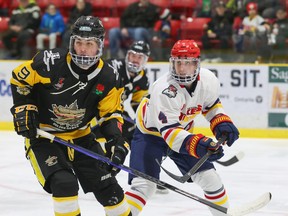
232 160
243 210
193 170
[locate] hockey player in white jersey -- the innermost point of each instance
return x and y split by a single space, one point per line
165 123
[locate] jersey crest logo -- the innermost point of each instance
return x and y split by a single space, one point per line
24 90
171 91
68 117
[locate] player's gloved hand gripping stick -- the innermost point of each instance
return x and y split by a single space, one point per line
217 148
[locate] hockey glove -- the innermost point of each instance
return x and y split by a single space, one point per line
198 145
117 151
222 124
25 118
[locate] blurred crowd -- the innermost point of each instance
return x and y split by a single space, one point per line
227 30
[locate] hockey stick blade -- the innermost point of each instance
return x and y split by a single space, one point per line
247 209
251 206
232 160
194 169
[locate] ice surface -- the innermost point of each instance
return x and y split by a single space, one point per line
264 168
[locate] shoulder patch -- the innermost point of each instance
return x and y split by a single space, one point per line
171 91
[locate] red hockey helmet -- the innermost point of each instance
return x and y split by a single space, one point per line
185 52
251 6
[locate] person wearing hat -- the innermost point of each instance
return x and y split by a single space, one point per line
252 36
163 28
162 33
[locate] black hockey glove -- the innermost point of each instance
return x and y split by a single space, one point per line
198 145
117 151
25 118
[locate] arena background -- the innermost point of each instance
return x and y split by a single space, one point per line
255 96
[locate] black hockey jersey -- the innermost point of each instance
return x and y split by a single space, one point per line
137 86
67 101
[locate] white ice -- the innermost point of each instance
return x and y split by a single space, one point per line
263 169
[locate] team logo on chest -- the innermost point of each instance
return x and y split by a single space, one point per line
171 91
69 116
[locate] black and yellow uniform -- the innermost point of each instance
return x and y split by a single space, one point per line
136 86
68 98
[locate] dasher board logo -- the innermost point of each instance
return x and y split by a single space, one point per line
279 97
278 120
278 74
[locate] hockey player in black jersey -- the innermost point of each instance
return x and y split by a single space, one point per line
134 79
61 91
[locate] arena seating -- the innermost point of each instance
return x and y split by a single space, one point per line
108 23
183 7
162 3
4 23
3 27
103 8
192 28
110 11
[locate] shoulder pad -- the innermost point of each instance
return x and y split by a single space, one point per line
48 61
110 74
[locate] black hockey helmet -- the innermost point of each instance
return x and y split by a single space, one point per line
87 28
141 47
138 47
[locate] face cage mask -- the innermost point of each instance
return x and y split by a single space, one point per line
85 62
184 79
133 67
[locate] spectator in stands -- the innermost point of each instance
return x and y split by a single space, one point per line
161 33
203 8
219 28
206 8
162 29
136 23
4 7
82 8
266 8
252 37
279 36
52 26
24 21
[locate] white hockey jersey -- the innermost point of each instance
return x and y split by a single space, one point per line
171 109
